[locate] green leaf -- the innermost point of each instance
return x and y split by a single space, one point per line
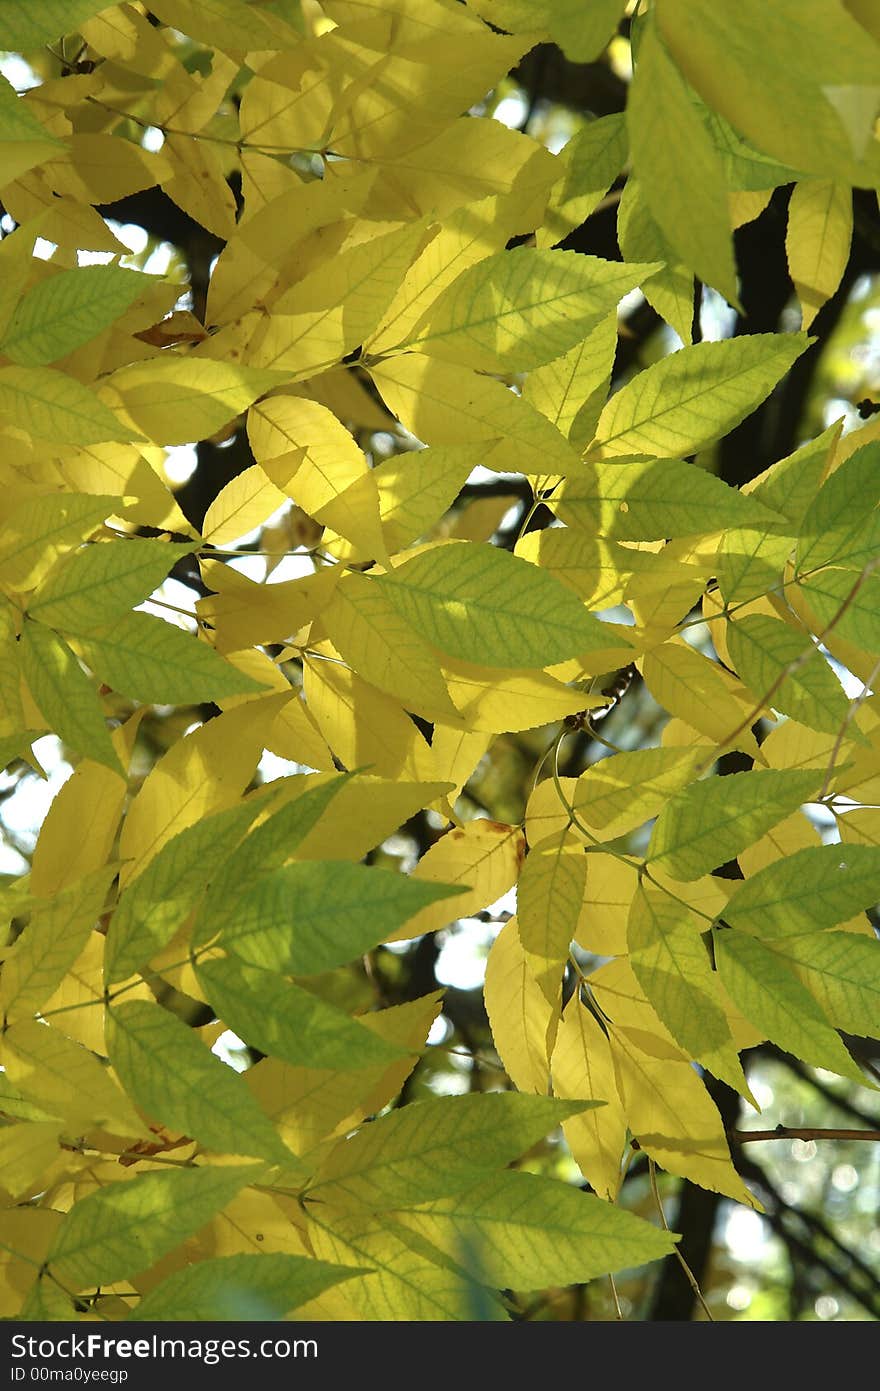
492 608
571 391
25 25
651 499
519 309
66 697
124 1228
750 562
169 1072
154 907
91 587
312 917
774 72
265 849
245 1288
528 1232
842 525
50 405
696 395
582 32
52 941
671 290
287 1022
809 890
42 528
671 963
150 660
592 160
24 142
432 1148
760 984
549 897
628 788
679 168
68 309
848 603
711 821
841 970
762 648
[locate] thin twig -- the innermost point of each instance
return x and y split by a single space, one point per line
689 1274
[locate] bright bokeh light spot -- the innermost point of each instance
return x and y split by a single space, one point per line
826 1307
739 1297
94 258
439 1030
180 463
44 250
271 767
292 567
511 111
744 1234
462 958
803 1150
130 234
762 1092
18 73
152 138
181 596
845 1178
25 809
231 1050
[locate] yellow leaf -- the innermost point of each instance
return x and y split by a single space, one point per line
549 894
242 506
205 772
370 635
483 855
445 404
178 398
817 243
243 612
583 1067
364 727
522 1019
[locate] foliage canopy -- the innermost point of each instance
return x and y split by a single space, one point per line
389 310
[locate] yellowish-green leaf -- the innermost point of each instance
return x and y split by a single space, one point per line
773 998
176 398
50 405
580 32
497 701
23 140
817 242
484 605
169 1072
408 1279
123 1228
433 1148
694 396
51 943
846 602
814 888
155 905
311 917
842 972
671 963
768 655
616 793
678 167
91 587
519 309
671 290
150 660
66 697
651 499
527 1232
285 1021
42 528
69 309
841 526
709 822
571 390
261 1286
782 76
590 162
68 1081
